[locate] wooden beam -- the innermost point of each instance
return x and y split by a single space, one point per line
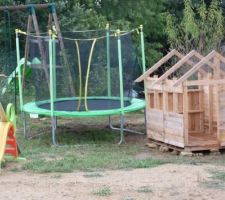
216 61
157 65
205 82
172 53
40 46
191 63
65 60
24 7
185 113
210 103
195 68
181 62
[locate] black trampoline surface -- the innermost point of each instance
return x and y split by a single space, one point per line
93 104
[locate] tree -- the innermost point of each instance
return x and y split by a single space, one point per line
200 28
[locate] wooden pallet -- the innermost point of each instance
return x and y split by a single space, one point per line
187 150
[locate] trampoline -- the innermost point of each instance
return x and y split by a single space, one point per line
99 107
80 74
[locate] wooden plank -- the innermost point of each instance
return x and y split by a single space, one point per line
156 66
205 82
173 126
170 131
170 101
185 111
216 61
195 68
165 88
175 143
165 101
210 106
23 7
175 117
154 135
175 102
191 63
175 67
155 99
154 126
155 117
40 46
59 36
171 136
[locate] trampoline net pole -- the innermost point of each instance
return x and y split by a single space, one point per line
120 72
108 60
143 55
52 82
19 69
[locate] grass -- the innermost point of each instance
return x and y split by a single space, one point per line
103 191
90 148
93 175
144 189
217 180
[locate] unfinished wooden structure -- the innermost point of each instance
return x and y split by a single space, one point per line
186 110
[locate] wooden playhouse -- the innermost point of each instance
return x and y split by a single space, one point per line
185 106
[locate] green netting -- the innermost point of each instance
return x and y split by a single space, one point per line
81 68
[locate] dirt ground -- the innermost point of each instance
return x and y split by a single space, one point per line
170 181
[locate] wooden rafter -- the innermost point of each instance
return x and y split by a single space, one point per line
181 62
195 68
157 65
175 67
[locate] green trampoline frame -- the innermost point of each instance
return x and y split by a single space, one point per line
135 104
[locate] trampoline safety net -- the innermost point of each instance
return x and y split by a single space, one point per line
85 70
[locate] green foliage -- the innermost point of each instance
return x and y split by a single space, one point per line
80 18
201 27
103 191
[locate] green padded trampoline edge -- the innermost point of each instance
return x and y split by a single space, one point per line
136 104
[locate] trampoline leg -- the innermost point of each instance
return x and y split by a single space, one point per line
122 139
124 129
24 125
54 127
121 129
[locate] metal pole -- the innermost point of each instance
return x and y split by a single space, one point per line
143 50
19 70
108 59
20 82
143 63
51 84
121 87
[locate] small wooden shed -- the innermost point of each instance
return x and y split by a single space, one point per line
185 106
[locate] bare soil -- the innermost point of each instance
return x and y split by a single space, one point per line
170 181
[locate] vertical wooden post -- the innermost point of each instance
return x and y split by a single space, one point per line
185 113
217 72
201 105
155 95
210 105
175 100
165 101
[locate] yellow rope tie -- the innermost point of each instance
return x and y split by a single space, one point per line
87 76
21 32
80 75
